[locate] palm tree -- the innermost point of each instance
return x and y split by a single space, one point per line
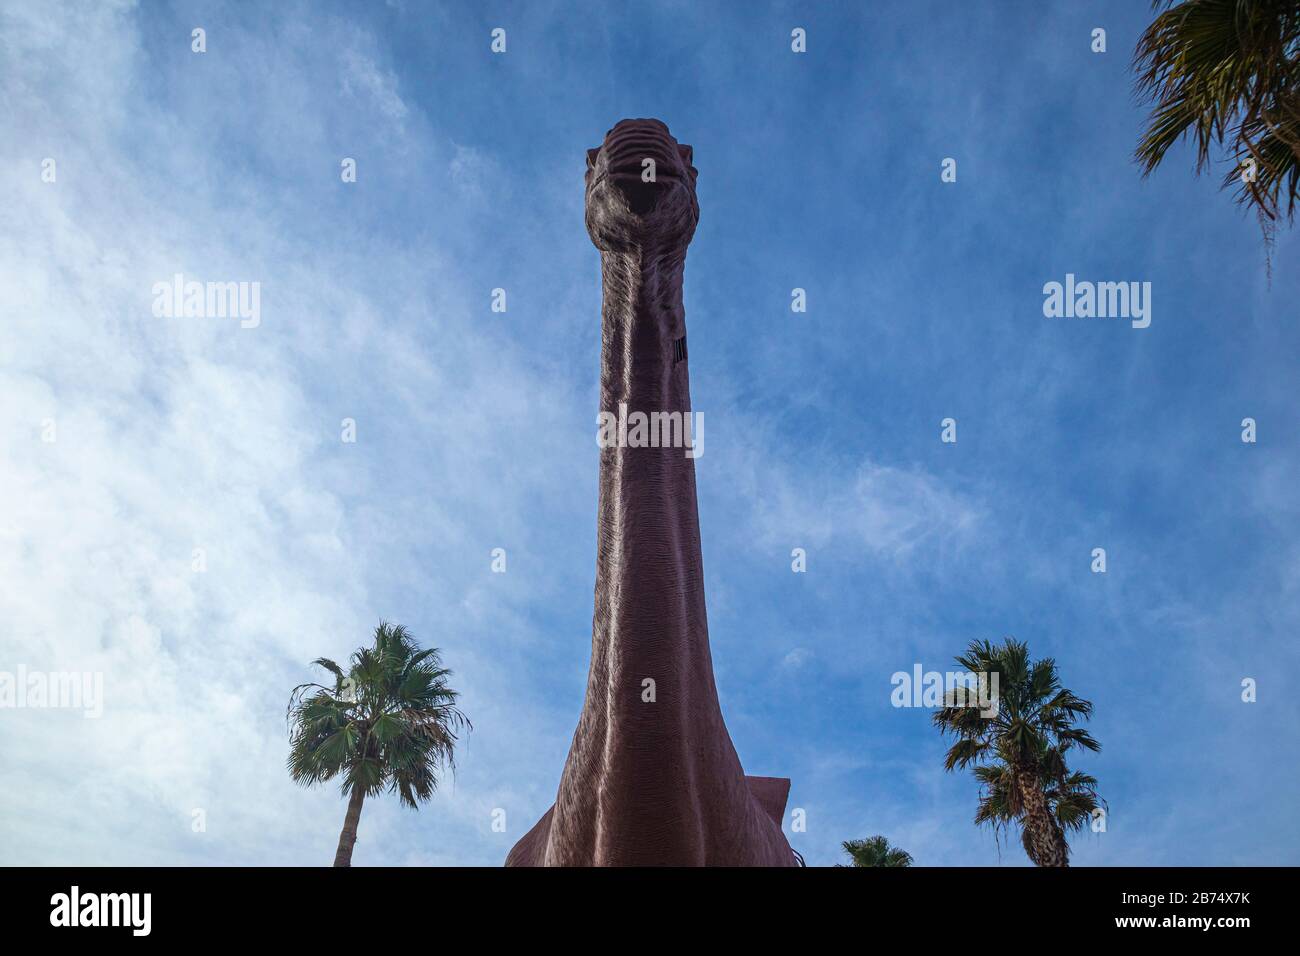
1227 72
388 722
1020 748
875 851
1071 800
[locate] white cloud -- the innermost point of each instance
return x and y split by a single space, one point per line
797 658
885 511
364 79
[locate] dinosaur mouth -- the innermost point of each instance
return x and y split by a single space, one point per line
643 162
627 173
642 197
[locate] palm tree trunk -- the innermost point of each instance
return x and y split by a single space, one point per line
1049 846
348 838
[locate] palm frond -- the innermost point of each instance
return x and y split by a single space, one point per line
397 729
1226 74
1026 744
876 851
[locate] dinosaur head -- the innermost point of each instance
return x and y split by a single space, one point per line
641 189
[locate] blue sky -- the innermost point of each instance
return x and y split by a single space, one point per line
475 430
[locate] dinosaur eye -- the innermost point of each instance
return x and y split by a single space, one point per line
679 350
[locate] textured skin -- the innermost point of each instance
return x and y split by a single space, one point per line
650 783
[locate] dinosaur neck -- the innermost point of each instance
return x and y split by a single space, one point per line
641 317
650 619
656 753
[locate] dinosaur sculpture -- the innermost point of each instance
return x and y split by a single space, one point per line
652 777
